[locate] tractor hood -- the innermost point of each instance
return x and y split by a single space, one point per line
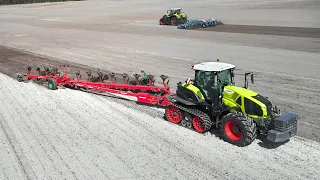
231 96
235 90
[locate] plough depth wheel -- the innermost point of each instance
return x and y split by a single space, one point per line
52 84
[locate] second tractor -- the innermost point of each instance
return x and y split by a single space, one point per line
174 17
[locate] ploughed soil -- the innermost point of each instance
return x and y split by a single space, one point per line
264 30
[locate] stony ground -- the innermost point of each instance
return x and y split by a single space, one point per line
57 134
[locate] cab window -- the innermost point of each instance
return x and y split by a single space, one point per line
224 78
205 81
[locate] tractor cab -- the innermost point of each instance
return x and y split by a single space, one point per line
211 77
208 84
174 11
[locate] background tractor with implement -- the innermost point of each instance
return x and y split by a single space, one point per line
174 17
211 99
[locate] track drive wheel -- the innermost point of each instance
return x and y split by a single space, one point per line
52 84
237 129
173 114
161 21
173 20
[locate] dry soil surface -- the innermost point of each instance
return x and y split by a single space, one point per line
124 36
78 135
68 134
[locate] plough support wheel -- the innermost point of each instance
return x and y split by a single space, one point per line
52 84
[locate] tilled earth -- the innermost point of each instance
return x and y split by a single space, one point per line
68 134
76 135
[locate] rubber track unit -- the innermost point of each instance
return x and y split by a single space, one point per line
206 119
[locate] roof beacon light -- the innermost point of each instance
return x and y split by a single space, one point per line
192 66
218 59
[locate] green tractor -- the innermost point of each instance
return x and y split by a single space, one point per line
174 17
211 99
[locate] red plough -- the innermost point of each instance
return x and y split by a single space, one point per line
142 89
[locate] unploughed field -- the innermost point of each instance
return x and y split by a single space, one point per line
76 135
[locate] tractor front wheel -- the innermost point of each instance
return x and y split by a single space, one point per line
237 129
161 21
173 114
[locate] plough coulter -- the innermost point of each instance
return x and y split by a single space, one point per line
209 100
142 89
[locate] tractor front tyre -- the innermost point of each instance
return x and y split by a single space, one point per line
161 21
52 84
237 129
173 114
173 21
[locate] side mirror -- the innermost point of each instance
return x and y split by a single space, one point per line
252 80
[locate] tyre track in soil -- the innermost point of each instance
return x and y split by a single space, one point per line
38 149
137 129
255 161
152 135
70 138
38 144
71 109
11 165
77 159
43 125
174 141
74 112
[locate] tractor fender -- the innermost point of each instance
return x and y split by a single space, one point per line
218 118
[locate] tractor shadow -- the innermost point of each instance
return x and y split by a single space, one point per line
269 145
264 143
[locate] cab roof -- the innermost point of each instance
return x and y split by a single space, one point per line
213 66
175 9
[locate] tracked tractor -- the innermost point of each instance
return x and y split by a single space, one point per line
174 17
211 100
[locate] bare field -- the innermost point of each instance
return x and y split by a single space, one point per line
91 136
85 136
